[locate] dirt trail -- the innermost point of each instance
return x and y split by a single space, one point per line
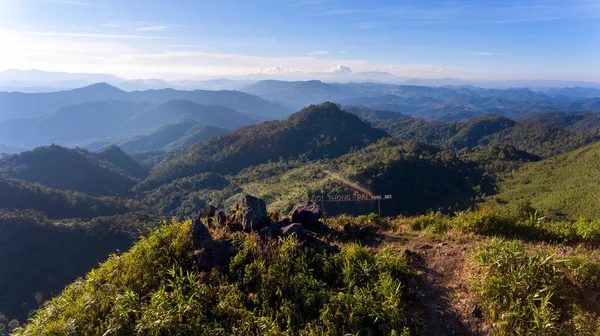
449 307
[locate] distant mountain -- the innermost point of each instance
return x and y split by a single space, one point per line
317 131
540 139
32 78
574 92
68 169
296 94
114 156
179 134
27 105
17 105
584 122
175 109
567 185
6 149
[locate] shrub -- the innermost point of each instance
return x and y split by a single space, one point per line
434 222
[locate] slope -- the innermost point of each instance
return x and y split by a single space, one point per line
22 195
175 109
568 184
62 168
317 131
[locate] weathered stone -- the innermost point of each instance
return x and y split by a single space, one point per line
476 312
209 211
270 233
307 214
200 234
254 212
221 217
215 254
295 229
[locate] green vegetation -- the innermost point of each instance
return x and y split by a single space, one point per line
73 169
536 292
274 288
564 186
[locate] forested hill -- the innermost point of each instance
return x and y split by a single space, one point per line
317 131
75 169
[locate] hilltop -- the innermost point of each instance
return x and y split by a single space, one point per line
315 132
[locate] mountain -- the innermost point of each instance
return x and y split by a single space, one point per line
574 92
67 169
178 134
61 80
317 131
239 101
565 185
56 204
296 94
540 139
175 109
583 122
114 156
16 105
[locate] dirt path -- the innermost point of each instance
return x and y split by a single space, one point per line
449 307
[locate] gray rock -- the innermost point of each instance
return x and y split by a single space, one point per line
295 229
255 217
215 254
200 234
221 217
307 214
270 233
209 211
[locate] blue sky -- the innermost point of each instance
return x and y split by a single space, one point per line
529 39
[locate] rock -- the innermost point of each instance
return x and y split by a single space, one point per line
415 257
294 229
476 312
426 247
307 214
270 233
200 234
332 249
221 217
254 212
209 211
216 254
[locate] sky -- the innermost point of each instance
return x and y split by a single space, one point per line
192 39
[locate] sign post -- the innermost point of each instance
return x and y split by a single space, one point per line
351 198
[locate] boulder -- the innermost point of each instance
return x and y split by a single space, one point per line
200 234
215 254
209 211
307 214
295 229
254 212
221 217
270 233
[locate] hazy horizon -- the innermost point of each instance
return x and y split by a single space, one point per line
525 40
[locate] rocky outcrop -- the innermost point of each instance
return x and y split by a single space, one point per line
307 214
200 234
270 233
209 211
221 217
255 217
295 230
215 254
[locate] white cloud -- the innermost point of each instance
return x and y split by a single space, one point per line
340 69
439 70
318 52
152 28
278 69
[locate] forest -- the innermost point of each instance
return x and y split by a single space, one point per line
101 239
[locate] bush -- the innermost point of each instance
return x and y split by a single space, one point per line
434 222
535 293
271 288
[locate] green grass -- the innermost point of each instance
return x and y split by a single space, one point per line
567 185
271 288
535 292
